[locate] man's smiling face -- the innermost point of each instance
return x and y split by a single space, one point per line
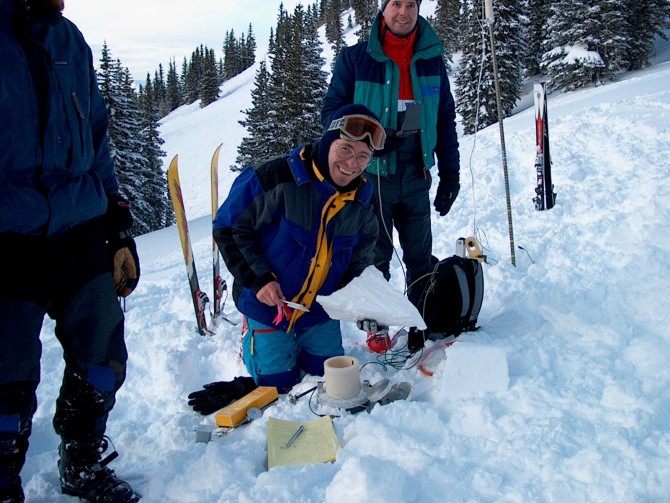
401 16
347 160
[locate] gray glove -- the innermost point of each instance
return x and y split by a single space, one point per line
372 326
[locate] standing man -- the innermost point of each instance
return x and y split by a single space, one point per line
295 227
399 67
63 227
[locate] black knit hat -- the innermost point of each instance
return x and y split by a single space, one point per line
331 135
385 3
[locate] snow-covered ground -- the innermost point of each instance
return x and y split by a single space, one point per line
562 395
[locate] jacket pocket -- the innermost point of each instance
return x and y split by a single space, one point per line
288 252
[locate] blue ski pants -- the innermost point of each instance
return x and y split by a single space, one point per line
69 279
275 358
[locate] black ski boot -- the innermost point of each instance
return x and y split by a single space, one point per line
416 339
84 474
13 449
12 494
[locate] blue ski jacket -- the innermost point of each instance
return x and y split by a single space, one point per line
283 221
55 167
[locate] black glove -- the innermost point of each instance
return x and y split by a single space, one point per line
447 191
121 248
217 395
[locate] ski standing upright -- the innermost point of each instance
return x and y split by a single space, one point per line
217 281
200 299
546 196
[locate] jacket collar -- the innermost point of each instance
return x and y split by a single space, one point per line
426 44
301 161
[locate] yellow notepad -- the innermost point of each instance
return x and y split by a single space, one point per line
316 444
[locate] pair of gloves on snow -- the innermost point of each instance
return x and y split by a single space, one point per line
121 247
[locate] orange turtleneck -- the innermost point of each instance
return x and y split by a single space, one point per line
400 50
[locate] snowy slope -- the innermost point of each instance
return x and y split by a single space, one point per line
576 334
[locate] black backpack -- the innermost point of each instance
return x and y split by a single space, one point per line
453 296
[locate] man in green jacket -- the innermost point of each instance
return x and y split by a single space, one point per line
398 69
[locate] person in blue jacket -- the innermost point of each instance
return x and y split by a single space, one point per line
398 71
293 228
66 245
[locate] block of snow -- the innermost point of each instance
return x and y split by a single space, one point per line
371 297
471 368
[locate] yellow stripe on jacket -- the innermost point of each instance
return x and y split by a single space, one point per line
318 269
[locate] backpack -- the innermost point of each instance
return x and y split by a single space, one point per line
453 296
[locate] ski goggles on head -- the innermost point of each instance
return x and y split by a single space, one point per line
356 127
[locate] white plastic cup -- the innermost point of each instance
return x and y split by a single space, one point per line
343 377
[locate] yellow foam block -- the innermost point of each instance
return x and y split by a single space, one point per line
236 412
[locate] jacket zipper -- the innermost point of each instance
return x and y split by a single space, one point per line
80 112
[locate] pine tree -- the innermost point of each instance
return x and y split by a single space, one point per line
192 76
447 26
475 81
365 12
238 55
282 84
538 11
123 127
323 11
249 49
586 43
254 146
231 56
510 48
173 88
134 148
334 32
209 82
644 20
471 69
287 99
160 92
299 80
313 84
155 197
183 81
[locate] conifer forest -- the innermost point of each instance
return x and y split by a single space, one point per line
569 44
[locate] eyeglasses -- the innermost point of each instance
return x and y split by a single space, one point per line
346 152
356 127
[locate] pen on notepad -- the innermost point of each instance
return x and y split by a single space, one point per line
295 436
